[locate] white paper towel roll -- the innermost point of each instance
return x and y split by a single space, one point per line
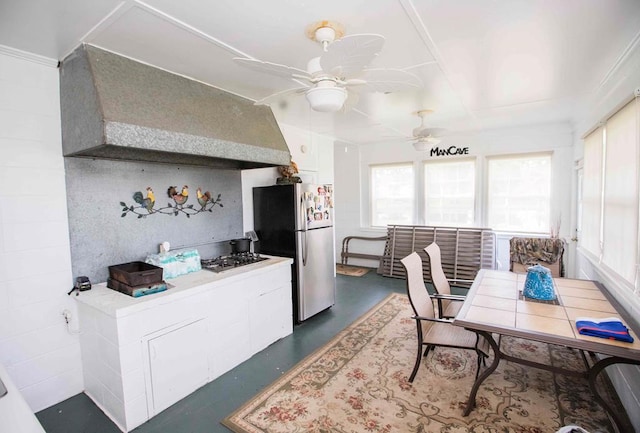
165 247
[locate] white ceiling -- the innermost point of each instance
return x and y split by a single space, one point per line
485 64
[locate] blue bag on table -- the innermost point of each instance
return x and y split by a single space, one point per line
539 284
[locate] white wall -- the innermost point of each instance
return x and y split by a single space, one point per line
41 356
312 153
352 172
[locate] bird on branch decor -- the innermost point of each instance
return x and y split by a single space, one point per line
146 205
147 202
179 197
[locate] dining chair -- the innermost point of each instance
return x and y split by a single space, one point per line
448 304
526 252
434 331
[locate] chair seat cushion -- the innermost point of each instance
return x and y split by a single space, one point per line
445 334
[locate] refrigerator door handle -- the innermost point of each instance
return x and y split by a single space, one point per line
303 215
304 248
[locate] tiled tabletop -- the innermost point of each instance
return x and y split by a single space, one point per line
495 304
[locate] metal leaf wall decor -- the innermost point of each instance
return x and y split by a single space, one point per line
145 203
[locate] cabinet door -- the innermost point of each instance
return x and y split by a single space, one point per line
178 364
270 317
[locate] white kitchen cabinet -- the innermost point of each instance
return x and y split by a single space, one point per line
268 315
141 355
177 364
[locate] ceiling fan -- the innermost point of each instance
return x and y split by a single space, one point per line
424 136
332 80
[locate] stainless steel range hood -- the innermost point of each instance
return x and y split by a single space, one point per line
116 108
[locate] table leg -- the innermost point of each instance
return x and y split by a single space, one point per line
594 371
496 360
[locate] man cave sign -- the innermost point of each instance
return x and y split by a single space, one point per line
449 151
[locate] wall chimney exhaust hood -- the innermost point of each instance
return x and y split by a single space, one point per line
113 107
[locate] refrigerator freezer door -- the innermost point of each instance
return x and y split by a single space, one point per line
315 268
274 219
316 206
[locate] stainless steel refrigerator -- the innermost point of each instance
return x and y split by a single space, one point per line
297 221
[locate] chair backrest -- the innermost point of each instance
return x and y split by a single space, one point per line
417 291
525 252
438 278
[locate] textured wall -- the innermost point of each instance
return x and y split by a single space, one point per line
117 108
100 237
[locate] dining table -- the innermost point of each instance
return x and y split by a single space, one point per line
495 306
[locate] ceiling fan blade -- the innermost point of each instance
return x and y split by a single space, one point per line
352 100
423 143
347 57
390 80
276 97
428 132
273 68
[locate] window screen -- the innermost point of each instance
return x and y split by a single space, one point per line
449 190
519 193
392 194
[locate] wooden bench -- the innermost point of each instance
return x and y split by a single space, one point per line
346 254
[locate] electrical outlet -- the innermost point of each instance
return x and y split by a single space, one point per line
67 315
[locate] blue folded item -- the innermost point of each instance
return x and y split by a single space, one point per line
611 328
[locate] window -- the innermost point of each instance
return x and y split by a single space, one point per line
519 193
610 194
592 193
392 194
620 211
449 189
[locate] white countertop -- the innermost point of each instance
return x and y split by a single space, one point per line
15 414
118 304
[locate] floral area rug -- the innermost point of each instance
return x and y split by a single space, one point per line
358 383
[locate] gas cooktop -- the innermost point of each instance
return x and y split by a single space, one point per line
223 263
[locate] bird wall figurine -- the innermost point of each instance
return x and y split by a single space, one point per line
203 199
181 197
147 202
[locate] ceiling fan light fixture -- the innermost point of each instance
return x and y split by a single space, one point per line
420 146
423 144
326 99
325 35
312 30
